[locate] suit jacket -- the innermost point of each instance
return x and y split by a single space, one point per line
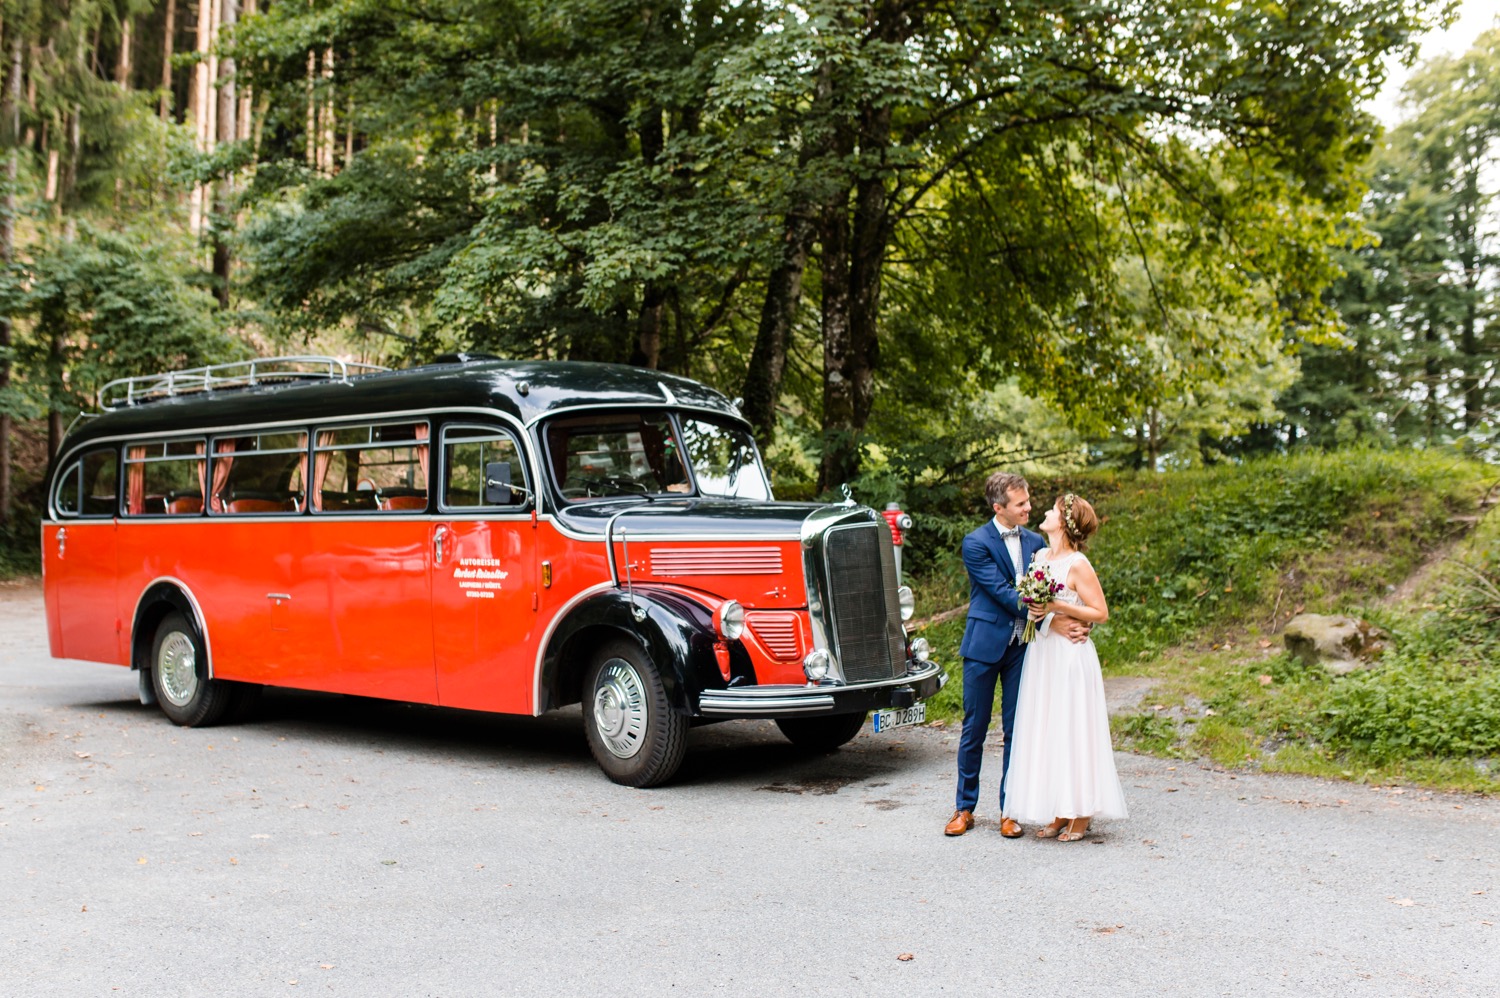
994 604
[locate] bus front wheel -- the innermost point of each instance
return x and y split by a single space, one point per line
186 696
633 732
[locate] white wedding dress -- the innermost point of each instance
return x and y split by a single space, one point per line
1062 765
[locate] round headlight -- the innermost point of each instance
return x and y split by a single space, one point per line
729 620
908 602
921 650
815 665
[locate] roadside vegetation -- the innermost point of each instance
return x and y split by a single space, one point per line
1203 568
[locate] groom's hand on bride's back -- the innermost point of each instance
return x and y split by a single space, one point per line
1075 631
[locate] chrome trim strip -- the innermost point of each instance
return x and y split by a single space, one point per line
767 699
728 702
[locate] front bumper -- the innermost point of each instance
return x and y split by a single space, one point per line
921 682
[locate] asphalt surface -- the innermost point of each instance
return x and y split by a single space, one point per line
355 847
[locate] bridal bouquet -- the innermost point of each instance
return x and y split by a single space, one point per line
1037 588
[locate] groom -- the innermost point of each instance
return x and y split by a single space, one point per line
992 650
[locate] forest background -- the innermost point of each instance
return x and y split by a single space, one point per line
919 239
1161 253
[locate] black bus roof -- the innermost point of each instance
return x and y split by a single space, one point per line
526 390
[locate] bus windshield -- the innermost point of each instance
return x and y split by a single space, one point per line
615 454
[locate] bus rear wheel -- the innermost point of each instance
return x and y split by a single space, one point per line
633 732
821 734
186 697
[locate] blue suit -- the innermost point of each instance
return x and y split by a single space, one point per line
992 651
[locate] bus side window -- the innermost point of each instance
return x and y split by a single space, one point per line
259 473
378 468
164 477
470 454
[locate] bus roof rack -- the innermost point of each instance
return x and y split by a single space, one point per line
238 374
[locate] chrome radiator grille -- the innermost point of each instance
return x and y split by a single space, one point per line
862 602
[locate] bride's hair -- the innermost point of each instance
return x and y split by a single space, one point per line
1079 519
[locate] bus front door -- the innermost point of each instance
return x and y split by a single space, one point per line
484 616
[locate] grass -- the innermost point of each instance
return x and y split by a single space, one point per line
1203 568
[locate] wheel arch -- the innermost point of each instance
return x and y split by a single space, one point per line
157 600
676 634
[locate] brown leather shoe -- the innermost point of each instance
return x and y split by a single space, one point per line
1010 828
961 822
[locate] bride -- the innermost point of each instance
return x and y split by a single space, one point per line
1062 768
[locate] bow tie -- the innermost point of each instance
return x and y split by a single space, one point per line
1012 532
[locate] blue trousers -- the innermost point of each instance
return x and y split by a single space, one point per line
979 704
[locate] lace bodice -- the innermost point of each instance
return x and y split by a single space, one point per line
1059 567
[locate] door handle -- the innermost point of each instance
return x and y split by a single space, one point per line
438 536
62 541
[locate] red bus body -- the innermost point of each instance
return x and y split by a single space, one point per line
531 553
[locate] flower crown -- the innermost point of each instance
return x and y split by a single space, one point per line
1070 524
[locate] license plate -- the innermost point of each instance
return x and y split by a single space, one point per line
887 720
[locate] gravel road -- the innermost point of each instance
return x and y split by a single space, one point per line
355 847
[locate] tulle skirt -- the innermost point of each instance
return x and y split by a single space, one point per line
1062 765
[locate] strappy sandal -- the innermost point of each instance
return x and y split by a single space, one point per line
1050 831
1077 829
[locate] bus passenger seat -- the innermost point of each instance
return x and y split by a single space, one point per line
403 502
185 504
255 506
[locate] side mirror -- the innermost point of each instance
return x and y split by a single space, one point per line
497 488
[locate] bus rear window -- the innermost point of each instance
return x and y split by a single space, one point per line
89 487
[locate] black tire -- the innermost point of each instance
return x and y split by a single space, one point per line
178 663
821 734
633 732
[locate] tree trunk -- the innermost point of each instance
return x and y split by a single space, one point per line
122 61
201 106
762 386
164 109
10 134
840 452
227 132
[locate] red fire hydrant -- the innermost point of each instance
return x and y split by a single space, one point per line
899 523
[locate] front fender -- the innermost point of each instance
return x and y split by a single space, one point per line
676 634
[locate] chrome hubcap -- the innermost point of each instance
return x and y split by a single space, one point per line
620 708
177 667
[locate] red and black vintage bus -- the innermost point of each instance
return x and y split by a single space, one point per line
475 533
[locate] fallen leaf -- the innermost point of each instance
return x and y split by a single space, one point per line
141 861
84 908
83 755
1264 680
325 966
1169 790
906 957
387 862
1105 930
39 788
1403 902
233 861
1263 643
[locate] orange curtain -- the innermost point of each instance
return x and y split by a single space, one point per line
422 432
320 468
223 461
135 480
